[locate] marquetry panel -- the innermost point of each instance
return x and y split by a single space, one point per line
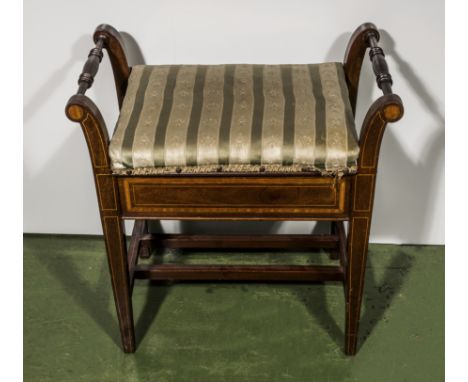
233 197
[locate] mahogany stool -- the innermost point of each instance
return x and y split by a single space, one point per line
236 142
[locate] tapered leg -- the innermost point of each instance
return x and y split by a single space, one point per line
118 267
358 237
81 109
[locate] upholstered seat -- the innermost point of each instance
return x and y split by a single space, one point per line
235 118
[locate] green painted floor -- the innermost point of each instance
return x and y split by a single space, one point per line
230 332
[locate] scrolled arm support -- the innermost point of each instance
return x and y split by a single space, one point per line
354 56
83 110
114 45
388 108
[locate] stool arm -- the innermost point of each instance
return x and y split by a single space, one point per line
379 64
106 37
83 110
365 36
388 108
90 68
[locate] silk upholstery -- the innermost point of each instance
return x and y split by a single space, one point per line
235 118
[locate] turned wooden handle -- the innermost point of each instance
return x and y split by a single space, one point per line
379 64
366 36
91 66
106 37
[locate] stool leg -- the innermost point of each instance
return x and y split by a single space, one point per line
358 238
118 267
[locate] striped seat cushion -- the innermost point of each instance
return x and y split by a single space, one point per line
235 118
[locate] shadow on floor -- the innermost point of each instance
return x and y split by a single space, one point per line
315 300
94 300
378 296
155 296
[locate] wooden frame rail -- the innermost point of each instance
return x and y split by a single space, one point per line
242 241
140 242
256 273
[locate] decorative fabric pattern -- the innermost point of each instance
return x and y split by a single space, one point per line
235 118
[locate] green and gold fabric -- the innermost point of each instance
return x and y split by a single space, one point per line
235 118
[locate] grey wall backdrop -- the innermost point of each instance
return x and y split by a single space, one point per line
59 194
